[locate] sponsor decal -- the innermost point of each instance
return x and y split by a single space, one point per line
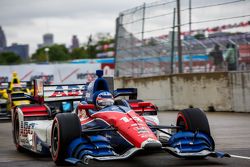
47 79
125 119
71 90
24 141
26 128
89 77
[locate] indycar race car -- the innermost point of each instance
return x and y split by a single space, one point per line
13 94
102 128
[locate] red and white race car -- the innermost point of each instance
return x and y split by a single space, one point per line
78 123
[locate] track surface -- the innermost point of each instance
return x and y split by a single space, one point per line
231 132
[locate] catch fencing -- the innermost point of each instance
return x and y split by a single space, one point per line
146 38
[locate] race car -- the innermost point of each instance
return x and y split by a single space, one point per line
13 94
3 101
103 128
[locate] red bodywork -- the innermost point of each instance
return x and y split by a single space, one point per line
129 124
34 110
141 109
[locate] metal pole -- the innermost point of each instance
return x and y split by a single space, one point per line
116 42
47 54
143 21
179 37
190 31
142 35
172 43
190 16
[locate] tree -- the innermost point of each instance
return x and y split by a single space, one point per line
40 55
9 58
58 53
98 41
79 53
55 53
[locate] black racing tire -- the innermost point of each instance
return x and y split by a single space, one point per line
16 134
65 128
193 119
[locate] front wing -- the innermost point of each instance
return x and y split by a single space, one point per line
182 145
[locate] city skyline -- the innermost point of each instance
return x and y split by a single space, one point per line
25 21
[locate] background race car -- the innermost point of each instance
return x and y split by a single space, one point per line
13 94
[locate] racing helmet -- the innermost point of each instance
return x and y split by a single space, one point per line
17 87
103 99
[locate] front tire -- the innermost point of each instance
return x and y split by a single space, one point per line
65 128
194 120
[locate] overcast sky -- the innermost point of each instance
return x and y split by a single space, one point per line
25 21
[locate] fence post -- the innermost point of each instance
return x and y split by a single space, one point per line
179 37
117 26
143 21
172 43
190 32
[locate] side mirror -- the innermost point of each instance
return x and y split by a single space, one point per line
86 106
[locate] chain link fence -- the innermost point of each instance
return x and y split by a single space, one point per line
146 38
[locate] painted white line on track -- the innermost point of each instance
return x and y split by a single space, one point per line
237 156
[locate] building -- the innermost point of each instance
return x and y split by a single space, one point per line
3 42
48 40
21 50
75 43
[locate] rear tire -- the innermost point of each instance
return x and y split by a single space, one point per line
193 119
65 128
16 133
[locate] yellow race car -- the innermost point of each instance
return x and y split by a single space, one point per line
13 94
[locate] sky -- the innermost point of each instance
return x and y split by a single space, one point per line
25 21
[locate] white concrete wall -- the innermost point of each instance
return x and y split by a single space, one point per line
154 89
201 90
240 89
223 91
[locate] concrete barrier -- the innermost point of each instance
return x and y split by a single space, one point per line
219 91
240 90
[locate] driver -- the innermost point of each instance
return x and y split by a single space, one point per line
103 99
17 88
98 92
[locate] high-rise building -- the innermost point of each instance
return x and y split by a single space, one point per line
48 40
75 42
2 39
20 49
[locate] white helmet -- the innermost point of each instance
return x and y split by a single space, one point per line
103 99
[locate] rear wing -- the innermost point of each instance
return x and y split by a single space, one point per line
51 93
4 85
26 84
130 92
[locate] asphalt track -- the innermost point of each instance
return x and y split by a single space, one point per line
231 132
